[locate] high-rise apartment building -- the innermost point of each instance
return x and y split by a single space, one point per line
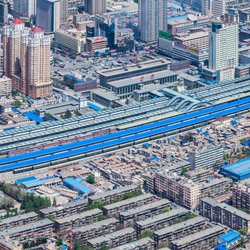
95 6
152 19
223 50
48 15
27 59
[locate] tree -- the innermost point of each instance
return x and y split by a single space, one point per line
90 179
243 231
146 233
17 104
183 170
54 202
104 247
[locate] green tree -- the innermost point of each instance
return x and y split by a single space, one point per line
104 247
17 104
183 170
146 233
243 231
90 179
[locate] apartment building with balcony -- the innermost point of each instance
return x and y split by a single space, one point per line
114 239
205 239
24 233
179 189
224 214
241 197
141 213
18 220
179 230
70 208
160 220
85 233
116 194
115 208
77 220
144 243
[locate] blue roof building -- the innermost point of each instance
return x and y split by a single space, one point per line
77 186
226 241
239 170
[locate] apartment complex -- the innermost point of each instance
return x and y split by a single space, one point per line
224 214
115 208
143 212
85 233
241 197
77 220
116 194
70 208
179 230
206 239
161 220
114 239
24 232
178 189
27 59
144 243
18 220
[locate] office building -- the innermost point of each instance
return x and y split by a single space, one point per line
152 19
106 26
4 11
95 44
27 59
223 50
48 15
206 157
71 40
219 7
178 189
94 7
133 70
24 8
64 11
224 214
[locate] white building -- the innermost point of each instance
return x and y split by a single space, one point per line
223 50
152 18
48 15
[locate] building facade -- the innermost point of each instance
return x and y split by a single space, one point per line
27 59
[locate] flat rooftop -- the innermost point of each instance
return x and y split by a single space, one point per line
135 244
113 192
172 213
139 80
79 216
226 207
180 226
95 225
128 201
133 67
27 227
240 169
198 236
114 235
18 218
146 207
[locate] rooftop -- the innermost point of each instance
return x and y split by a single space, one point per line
135 244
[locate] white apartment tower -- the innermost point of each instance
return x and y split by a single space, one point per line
223 50
152 19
